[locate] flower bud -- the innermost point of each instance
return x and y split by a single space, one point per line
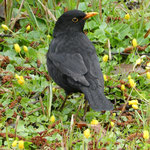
129 77
14 144
105 77
21 80
132 83
25 48
28 28
148 75
127 16
105 58
122 87
87 133
4 27
21 144
17 48
146 134
135 106
52 119
112 123
134 43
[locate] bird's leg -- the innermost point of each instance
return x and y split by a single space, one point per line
62 106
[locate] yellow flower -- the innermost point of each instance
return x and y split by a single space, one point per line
129 77
146 134
54 90
138 61
112 123
87 133
17 76
105 77
17 48
14 144
148 75
94 122
4 27
25 48
148 66
127 16
105 58
21 80
48 36
132 83
122 87
114 114
52 119
28 27
133 102
21 144
135 106
134 43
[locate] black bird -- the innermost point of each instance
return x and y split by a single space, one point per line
72 61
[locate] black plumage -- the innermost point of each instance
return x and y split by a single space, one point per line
72 61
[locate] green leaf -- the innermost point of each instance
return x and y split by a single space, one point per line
10 68
9 113
83 6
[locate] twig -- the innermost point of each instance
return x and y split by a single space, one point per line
5 35
34 102
31 112
145 100
115 53
100 9
147 33
15 19
71 130
109 50
41 102
123 109
17 120
50 100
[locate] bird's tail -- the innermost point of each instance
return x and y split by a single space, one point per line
97 99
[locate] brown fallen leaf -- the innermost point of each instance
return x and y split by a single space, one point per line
81 124
134 135
127 68
147 33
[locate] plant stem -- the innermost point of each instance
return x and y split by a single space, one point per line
7 138
50 100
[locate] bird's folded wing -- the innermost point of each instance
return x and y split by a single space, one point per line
71 65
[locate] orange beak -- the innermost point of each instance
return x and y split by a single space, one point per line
90 14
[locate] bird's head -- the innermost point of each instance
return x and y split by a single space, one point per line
72 21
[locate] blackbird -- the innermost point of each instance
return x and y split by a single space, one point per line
72 61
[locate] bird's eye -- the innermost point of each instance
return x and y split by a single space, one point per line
75 19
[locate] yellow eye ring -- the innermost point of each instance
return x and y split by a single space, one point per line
75 19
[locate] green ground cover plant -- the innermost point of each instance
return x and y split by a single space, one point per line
29 100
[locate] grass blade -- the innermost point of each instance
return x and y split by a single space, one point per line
31 15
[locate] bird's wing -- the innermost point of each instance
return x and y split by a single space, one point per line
71 65
95 70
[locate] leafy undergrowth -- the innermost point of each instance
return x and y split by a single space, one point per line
26 100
